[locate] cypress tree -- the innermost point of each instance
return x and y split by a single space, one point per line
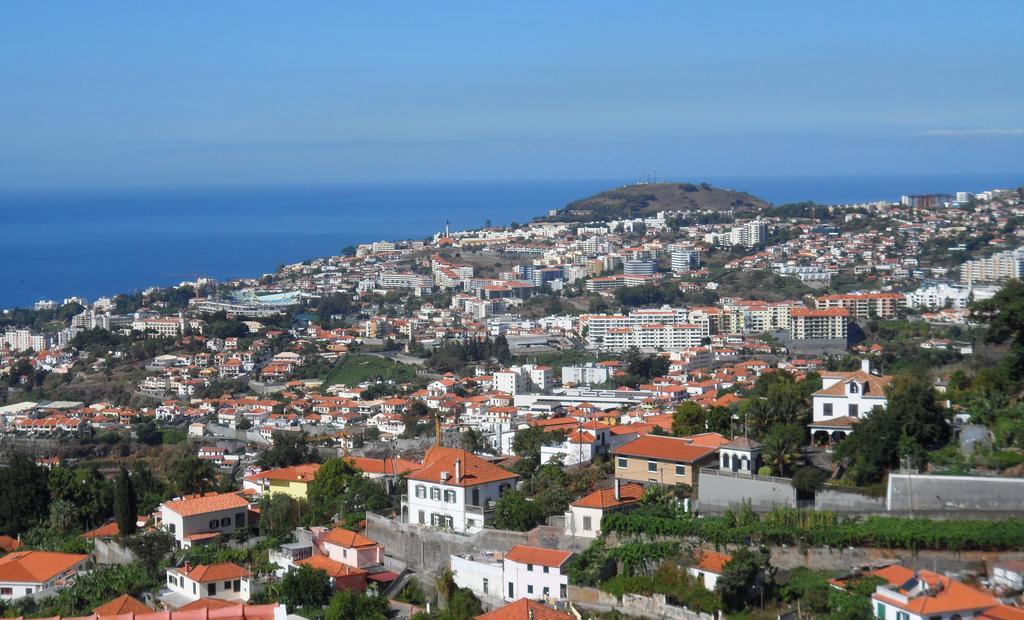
125 504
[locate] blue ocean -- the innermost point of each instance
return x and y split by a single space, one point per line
55 244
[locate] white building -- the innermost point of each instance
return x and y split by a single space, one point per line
583 519
535 573
528 378
1001 266
709 567
588 374
202 519
455 490
224 581
29 573
845 398
936 296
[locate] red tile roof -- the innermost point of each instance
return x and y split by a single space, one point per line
213 502
630 493
524 554
331 567
37 566
122 605
525 609
347 538
676 449
205 573
475 470
712 561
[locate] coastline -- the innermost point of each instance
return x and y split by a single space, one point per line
175 235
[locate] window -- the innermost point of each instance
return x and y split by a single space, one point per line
826 409
214 524
652 465
680 470
546 570
622 463
211 589
226 521
421 491
435 493
6 591
546 591
586 524
880 610
470 523
227 585
171 527
487 585
529 567
854 388
563 590
853 411
902 615
449 496
422 521
236 585
511 590
529 588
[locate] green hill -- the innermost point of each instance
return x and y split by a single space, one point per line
645 200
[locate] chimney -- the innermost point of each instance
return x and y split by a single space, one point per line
618 489
458 471
865 365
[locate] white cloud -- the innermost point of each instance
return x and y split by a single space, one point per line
968 133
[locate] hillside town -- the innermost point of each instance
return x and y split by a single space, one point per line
750 411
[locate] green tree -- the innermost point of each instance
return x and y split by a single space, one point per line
24 495
781 448
126 504
306 587
192 474
280 514
87 490
743 578
513 511
345 605
289 449
688 419
1004 315
326 489
151 548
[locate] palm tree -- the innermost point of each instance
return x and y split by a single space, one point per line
781 450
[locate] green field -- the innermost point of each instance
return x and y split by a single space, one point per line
355 369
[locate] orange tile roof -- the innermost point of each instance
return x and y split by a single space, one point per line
195 611
953 596
204 573
383 466
1003 612
109 530
208 603
708 440
8 544
605 498
331 567
37 566
712 561
664 448
540 556
525 609
347 538
122 605
213 502
295 473
475 470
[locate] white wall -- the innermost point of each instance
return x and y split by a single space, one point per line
522 579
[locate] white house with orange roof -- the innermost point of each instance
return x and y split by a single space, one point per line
844 399
224 581
351 548
708 567
907 594
583 519
455 489
536 573
29 573
201 519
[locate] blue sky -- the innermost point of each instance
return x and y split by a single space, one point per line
139 93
